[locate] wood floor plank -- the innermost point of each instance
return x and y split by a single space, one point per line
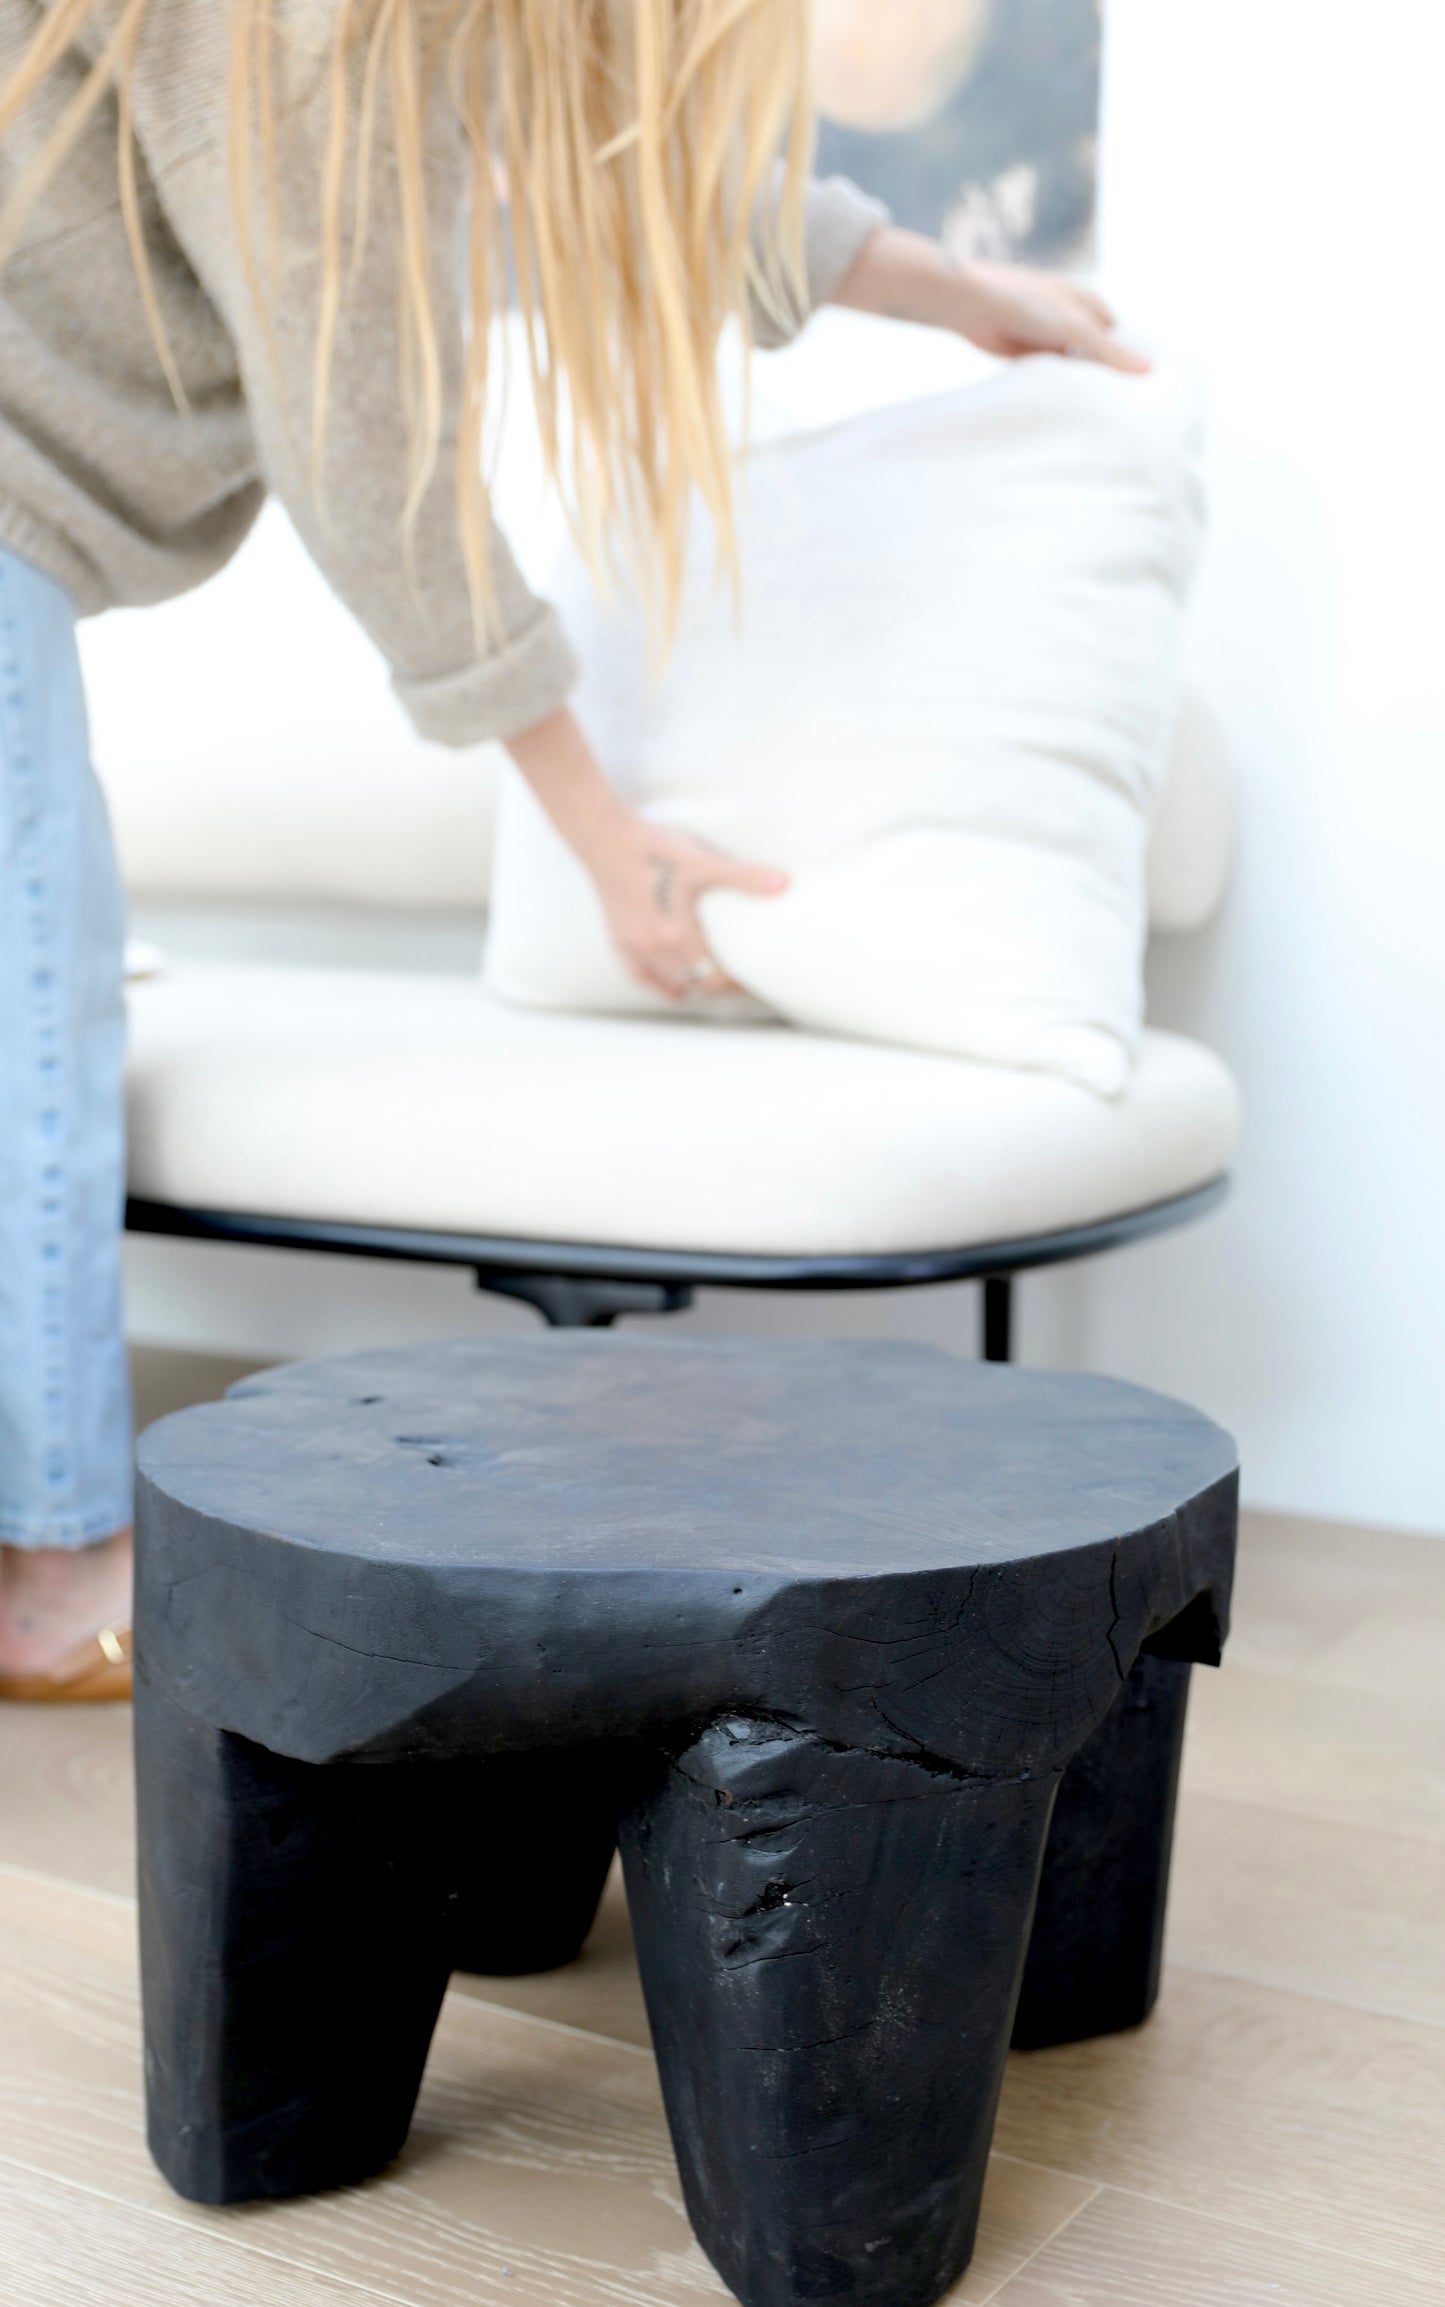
1121 2252
1397 1643
63 2247
1349 1758
1303 1588
1315 2123
67 1805
539 2168
1023 2207
1297 1903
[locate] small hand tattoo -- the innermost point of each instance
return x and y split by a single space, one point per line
664 882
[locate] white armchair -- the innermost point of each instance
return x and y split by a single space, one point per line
314 1063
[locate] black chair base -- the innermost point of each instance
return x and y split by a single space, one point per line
578 1285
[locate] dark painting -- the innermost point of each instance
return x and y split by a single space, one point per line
973 119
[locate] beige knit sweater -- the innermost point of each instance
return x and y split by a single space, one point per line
109 489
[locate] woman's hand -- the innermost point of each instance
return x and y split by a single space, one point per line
1008 310
1005 309
648 877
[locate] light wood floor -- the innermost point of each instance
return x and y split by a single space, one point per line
1274 2138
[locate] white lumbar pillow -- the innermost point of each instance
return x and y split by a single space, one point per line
946 711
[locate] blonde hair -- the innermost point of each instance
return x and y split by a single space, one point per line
637 141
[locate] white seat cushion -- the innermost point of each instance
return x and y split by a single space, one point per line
419 1102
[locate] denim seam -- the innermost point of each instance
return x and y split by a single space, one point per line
47 1043
67 1534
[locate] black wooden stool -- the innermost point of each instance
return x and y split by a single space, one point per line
877 1660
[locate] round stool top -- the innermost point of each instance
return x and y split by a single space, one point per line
583 1526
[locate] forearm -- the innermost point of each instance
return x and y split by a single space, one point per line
565 775
1006 309
647 877
905 276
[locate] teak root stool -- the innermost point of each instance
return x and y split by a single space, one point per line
875 1660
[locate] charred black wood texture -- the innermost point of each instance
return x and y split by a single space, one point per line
877 1661
1098 1934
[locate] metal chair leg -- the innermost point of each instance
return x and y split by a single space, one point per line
998 1297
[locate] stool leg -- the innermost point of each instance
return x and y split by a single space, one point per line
1098 1936
537 1836
293 1959
830 1945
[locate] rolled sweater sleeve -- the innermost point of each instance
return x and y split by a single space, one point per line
406 584
837 220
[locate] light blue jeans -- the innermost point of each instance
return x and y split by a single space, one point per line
65 1454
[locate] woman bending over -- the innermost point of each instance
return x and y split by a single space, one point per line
253 246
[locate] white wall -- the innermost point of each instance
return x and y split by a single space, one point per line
1272 196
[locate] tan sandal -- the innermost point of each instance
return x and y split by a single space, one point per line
96 1672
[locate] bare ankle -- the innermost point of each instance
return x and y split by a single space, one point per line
52 1598
55 1570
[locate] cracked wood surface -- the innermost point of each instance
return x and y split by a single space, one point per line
839 1626
499 1544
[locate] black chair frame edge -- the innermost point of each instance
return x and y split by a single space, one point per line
581 1285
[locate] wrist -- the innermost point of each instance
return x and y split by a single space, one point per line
594 820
